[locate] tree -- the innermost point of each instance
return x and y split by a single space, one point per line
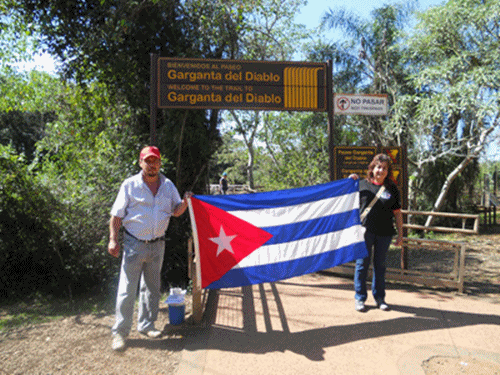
296 150
231 158
27 104
269 35
369 61
455 60
29 263
82 159
22 130
109 43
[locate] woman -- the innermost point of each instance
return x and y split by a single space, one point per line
379 228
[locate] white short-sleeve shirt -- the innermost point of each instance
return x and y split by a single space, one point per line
143 215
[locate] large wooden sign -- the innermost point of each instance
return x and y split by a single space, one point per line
238 84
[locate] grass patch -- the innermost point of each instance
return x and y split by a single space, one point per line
43 309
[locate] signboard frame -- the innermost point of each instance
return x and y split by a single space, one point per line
241 84
361 104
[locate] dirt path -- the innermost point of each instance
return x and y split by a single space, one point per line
81 344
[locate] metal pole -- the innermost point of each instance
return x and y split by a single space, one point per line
330 111
153 92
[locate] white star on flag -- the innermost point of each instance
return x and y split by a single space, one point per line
223 241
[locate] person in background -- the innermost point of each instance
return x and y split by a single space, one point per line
223 184
144 205
379 224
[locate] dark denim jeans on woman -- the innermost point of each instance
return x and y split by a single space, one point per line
379 245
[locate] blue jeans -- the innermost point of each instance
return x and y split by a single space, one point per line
379 245
144 261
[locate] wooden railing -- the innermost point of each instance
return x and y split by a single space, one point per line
415 272
473 230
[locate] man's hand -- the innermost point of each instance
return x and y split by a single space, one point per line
113 245
114 248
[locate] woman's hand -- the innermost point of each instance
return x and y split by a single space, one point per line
399 241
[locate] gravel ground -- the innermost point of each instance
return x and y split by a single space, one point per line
81 344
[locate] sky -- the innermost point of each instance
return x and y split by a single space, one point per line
312 12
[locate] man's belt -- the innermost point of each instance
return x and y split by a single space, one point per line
162 238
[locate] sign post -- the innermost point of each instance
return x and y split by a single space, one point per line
152 99
331 121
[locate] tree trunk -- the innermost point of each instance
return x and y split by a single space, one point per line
474 152
446 187
250 166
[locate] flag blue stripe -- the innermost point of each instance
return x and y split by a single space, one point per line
281 198
305 229
285 270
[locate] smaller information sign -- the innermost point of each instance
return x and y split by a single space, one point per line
355 159
349 160
360 104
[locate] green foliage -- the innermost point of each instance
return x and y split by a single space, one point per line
92 144
27 104
83 158
454 60
112 40
30 239
22 130
230 158
56 242
270 33
15 40
29 92
368 61
296 150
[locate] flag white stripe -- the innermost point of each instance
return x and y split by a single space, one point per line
268 217
196 244
295 250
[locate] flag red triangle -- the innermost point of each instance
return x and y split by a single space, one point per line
223 240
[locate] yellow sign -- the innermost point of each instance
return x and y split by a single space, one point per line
259 85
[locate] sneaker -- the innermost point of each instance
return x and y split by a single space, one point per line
152 333
382 305
118 342
359 306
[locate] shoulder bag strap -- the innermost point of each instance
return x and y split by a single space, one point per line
369 207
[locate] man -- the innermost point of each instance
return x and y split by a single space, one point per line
143 206
223 184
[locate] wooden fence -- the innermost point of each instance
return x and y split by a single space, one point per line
444 268
466 218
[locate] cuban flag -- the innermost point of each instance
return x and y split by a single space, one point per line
264 237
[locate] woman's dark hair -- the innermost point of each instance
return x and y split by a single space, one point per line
381 158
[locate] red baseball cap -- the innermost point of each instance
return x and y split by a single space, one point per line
150 151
